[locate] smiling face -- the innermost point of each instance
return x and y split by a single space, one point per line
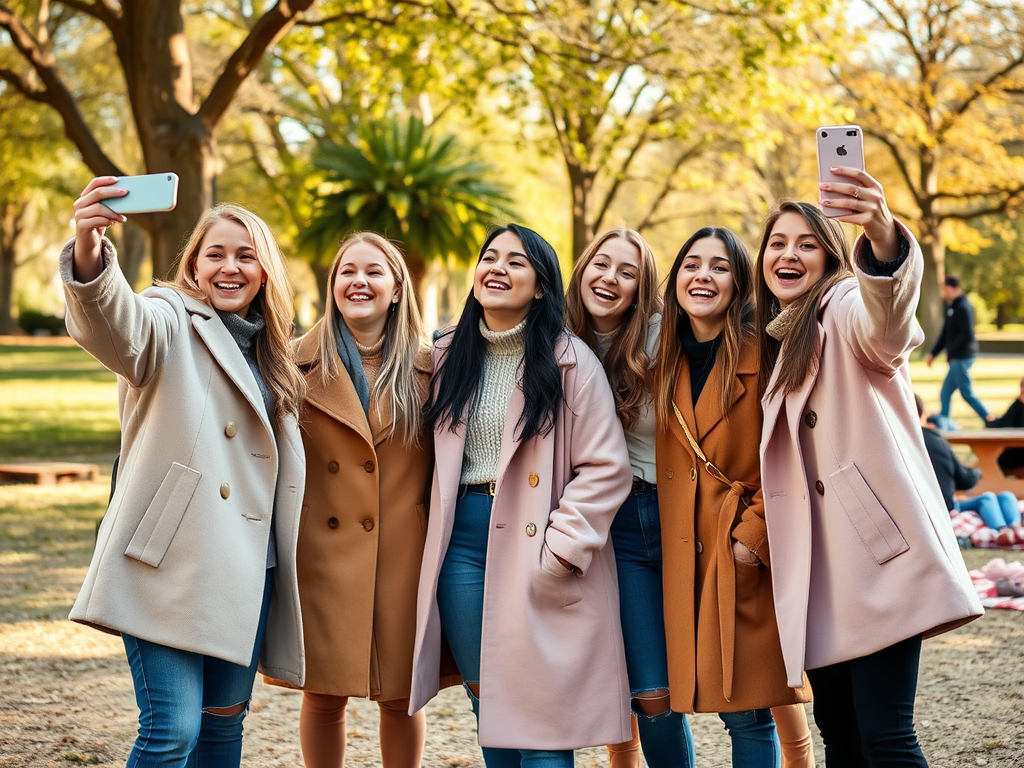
505 282
793 260
609 284
705 287
364 290
226 268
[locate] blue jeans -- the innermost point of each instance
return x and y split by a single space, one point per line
959 377
460 602
754 741
175 688
864 708
995 511
636 537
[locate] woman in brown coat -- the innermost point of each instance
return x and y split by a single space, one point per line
363 523
723 643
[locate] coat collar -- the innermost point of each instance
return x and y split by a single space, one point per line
705 415
225 351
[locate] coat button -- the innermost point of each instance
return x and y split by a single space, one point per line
533 480
810 419
368 466
693 473
819 487
700 547
531 529
669 473
230 429
333 467
225 490
332 522
367 524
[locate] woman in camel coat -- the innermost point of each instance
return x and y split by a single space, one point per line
723 641
363 524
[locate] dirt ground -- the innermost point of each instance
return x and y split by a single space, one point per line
67 698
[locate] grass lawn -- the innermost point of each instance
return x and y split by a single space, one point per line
56 402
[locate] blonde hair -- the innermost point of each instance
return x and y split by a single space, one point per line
404 339
627 363
273 301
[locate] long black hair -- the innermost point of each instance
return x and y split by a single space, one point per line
456 382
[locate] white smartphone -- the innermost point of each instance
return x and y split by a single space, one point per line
838 145
146 194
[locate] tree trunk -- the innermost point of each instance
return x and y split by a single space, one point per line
11 223
581 182
930 309
131 250
320 270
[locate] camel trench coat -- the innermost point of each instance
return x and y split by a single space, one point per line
723 641
862 549
552 665
181 553
361 537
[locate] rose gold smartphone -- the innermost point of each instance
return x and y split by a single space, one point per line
838 145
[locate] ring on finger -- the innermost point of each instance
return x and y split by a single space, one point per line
856 193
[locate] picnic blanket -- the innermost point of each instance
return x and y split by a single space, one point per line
1010 576
970 531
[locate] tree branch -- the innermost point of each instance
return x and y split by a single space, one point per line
53 93
265 32
668 188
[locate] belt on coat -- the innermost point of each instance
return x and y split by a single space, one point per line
731 509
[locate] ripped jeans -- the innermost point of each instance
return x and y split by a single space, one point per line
636 535
174 688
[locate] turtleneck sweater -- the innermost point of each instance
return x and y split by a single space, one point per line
372 358
485 425
640 439
701 355
243 330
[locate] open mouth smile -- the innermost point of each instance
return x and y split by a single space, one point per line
604 295
359 297
228 287
495 285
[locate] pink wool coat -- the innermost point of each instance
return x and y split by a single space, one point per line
552 667
863 554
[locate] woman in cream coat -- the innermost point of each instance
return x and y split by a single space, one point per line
517 568
201 529
864 562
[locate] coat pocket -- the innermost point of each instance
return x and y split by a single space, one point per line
564 582
161 520
873 524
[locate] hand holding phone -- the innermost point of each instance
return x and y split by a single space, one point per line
146 194
838 145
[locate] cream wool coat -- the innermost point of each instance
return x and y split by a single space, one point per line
863 555
552 665
181 553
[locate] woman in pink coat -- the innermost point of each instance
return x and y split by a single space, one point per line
864 562
531 466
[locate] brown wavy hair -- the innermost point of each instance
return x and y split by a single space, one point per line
797 357
738 323
273 301
627 363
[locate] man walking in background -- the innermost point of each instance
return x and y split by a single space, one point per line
957 338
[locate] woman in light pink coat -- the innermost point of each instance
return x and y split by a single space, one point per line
864 562
531 466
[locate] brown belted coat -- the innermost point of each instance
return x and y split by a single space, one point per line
723 643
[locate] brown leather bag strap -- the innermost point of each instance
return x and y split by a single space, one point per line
714 471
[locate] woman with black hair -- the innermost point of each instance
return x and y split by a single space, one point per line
531 466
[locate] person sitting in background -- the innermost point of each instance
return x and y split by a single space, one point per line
1011 461
996 511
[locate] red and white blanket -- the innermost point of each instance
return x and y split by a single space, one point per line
987 577
968 525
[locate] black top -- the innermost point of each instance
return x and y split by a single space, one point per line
1014 416
951 474
957 336
701 355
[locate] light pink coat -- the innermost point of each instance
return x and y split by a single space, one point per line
552 667
863 554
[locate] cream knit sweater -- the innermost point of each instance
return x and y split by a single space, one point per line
486 422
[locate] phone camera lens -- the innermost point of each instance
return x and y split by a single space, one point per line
851 133
168 178
824 134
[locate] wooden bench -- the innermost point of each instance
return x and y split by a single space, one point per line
987 444
47 472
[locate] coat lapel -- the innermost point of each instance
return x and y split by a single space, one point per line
684 401
229 357
337 397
